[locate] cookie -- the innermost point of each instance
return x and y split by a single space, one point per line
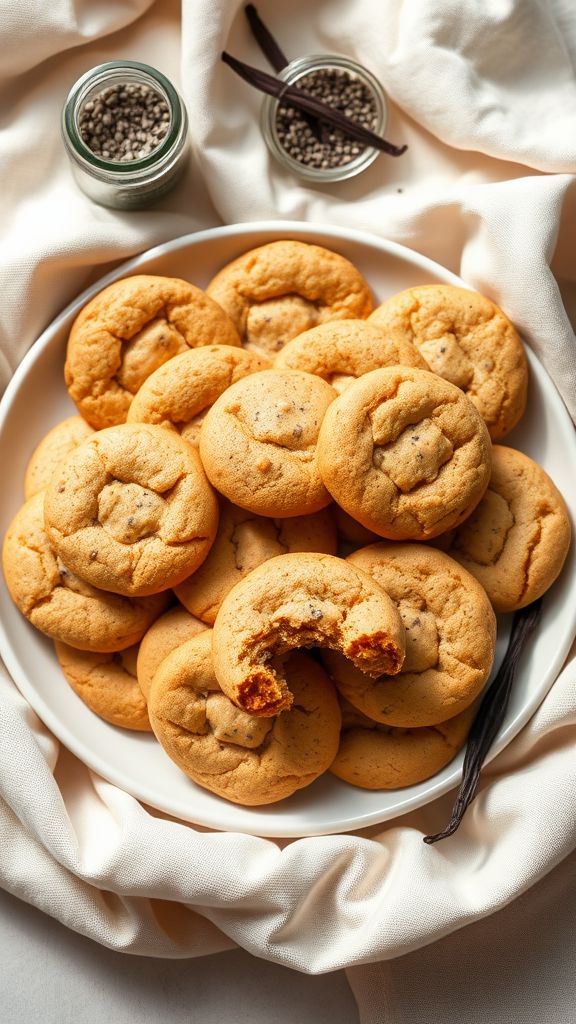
278 290
244 759
178 394
168 632
60 604
376 756
342 350
405 453
450 630
243 542
131 511
350 531
466 339
301 600
55 446
127 331
516 541
107 684
258 443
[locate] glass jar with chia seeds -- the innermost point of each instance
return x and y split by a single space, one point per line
125 130
320 152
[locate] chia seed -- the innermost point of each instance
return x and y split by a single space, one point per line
124 122
318 145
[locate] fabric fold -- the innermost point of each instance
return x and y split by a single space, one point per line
485 97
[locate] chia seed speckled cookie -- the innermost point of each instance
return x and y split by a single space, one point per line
247 760
131 511
466 339
258 443
127 331
59 603
405 453
301 600
278 290
243 542
342 350
179 393
516 540
450 632
107 684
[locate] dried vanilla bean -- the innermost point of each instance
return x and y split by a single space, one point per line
490 716
265 39
290 94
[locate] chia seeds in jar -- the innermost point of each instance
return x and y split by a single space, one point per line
317 151
125 131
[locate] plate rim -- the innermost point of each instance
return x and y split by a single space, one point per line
404 805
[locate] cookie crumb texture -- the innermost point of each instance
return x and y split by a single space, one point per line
405 453
301 600
258 443
132 511
130 329
61 604
466 339
516 540
245 759
450 631
276 291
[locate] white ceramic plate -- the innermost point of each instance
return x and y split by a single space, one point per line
37 399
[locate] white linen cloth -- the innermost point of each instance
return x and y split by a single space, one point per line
485 96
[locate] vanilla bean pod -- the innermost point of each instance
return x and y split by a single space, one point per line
490 716
295 97
265 39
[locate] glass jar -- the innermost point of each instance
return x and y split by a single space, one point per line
136 183
291 74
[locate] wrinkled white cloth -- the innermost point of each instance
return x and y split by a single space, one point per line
485 97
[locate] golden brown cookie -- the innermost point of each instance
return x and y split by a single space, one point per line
283 288
405 453
376 756
131 511
55 446
258 443
450 638
350 531
60 604
168 632
127 331
342 350
179 393
301 600
244 541
245 759
516 540
467 339
107 684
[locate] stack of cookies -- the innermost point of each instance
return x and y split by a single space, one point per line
274 466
